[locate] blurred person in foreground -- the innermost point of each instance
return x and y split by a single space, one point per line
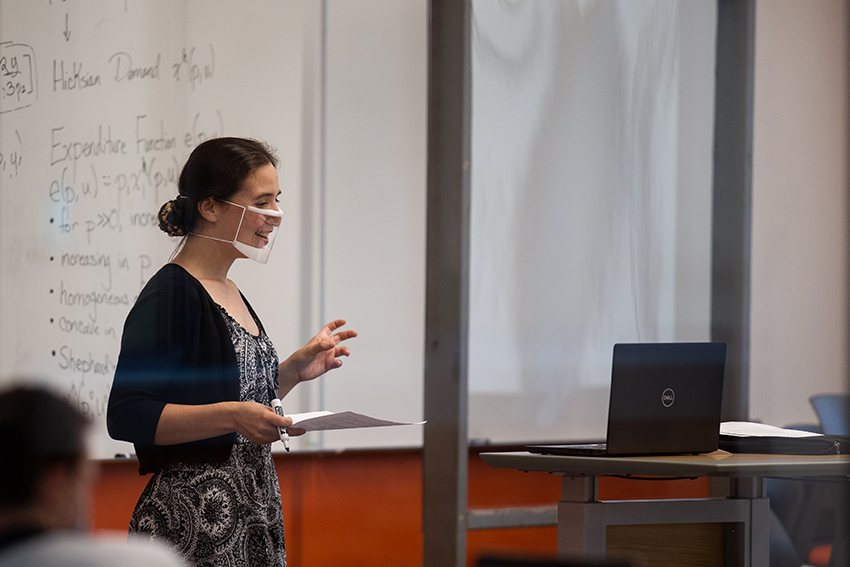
46 482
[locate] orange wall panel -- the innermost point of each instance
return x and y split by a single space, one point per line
357 508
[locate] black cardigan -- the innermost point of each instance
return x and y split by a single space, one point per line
176 348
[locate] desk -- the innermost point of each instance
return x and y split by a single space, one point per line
583 520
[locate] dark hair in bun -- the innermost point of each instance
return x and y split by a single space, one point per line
172 217
216 168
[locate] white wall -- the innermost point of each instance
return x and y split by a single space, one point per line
801 145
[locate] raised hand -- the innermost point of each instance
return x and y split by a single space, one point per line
320 354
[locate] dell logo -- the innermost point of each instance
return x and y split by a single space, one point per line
668 396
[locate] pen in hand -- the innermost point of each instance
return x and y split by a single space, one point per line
284 434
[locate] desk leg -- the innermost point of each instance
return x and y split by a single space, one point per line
581 529
756 542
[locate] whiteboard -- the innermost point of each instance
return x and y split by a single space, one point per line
101 103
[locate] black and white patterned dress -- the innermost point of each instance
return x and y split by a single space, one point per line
226 514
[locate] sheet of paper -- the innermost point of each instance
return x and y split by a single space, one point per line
327 420
750 429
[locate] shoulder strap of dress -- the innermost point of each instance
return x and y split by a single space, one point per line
251 310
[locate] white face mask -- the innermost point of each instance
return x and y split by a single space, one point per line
256 245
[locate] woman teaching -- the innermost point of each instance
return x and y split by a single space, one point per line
197 372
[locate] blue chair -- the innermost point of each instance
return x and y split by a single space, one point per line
833 411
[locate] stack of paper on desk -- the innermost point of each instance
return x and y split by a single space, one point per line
751 429
327 420
748 437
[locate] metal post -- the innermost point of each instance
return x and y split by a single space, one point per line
447 281
732 201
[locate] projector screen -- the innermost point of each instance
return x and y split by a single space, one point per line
592 129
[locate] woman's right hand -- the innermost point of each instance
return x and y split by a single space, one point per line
258 423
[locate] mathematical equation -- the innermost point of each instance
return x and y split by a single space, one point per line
19 72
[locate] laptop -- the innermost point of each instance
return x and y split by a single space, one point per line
665 399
